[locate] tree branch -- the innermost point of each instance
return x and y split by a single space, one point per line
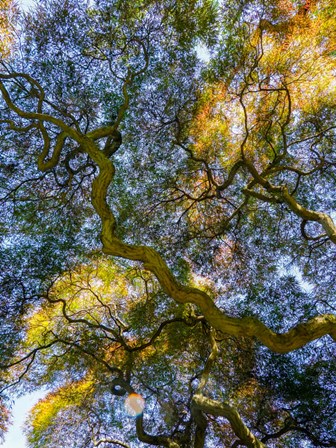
36 115
111 441
282 193
152 260
153 440
196 412
213 407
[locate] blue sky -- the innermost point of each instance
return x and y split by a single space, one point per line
26 3
15 437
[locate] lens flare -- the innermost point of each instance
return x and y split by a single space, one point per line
134 404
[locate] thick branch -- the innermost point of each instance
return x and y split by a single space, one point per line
309 215
248 326
209 363
196 412
153 440
42 163
225 410
36 115
282 193
152 260
112 442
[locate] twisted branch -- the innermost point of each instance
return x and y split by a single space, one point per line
214 407
152 260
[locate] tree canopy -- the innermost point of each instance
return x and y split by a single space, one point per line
167 184
8 15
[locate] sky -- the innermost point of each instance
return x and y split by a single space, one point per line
26 3
15 437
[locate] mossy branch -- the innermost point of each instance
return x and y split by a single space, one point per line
216 408
295 338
